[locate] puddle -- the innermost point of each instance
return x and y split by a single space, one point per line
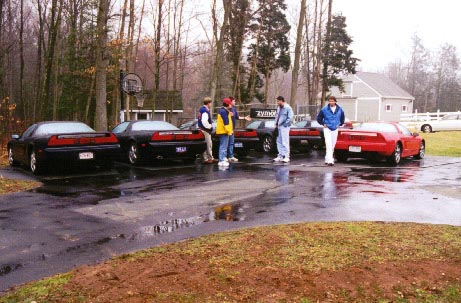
167 226
6 269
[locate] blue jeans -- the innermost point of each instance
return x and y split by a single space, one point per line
283 142
223 144
230 147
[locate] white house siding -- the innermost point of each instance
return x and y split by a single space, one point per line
348 105
396 108
368 109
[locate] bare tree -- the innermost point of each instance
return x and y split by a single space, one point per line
296 63
100 122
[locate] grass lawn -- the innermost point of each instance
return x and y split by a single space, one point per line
443 143
310 262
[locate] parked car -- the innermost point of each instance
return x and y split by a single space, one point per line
318 141
446 123
56 142
143 140
302 138
245 139
378 140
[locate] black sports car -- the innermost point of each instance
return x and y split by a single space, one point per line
245 139
302 138
143 140
315 132
48 143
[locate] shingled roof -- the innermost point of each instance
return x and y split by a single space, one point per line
379 83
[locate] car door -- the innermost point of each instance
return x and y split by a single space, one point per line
120 131
410 143
19 146
448 122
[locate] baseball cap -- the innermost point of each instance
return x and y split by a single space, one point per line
227 101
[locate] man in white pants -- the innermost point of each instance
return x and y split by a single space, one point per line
331 116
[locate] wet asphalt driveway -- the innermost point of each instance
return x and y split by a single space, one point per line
82 217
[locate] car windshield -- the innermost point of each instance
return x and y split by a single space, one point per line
270 124
450 117
63 128
377 127
254 124
152 125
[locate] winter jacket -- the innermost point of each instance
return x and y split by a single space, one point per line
224 122
205 113
330 119
286 116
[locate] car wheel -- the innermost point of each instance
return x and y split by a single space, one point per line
11 160
396 156
422 151
341 156
268 143
133 154
426 128
36 166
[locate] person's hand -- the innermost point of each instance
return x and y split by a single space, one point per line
248 118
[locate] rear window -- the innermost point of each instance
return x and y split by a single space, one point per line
63 128
377 127
152 125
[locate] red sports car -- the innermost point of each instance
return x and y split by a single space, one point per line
378 140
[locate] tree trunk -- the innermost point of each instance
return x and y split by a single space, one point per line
102 60
326 54
157 58
117 81
295 71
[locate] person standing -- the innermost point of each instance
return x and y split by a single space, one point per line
224 129
235 117
205 124
283 120
331 116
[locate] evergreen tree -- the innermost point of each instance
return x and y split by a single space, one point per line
337 57
271 50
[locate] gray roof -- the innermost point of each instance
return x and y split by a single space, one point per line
379 83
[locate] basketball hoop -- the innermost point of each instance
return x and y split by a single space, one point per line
132 84
140 99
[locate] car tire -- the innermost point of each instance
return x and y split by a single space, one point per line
36 166
133 154
268 144
396 156
426 128
11 160
422 151
341 156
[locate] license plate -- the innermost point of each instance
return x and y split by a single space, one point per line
86 156
355 149
238 144
181 149
304 142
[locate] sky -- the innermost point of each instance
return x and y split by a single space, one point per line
382 29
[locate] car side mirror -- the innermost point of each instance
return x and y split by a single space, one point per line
415 134
15 137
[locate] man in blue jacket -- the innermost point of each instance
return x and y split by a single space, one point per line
283 120
331 116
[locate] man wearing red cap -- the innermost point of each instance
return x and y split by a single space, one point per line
224 129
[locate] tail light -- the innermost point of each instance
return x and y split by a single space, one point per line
246 133
177 136
93 139
305 132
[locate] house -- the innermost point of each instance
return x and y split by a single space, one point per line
168 102
371 97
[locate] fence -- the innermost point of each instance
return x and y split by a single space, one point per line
416 119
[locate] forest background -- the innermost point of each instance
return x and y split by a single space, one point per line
61 60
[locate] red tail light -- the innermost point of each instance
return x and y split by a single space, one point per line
304 132
93 139
245 133
177 136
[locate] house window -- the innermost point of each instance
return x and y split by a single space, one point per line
404 108
388 108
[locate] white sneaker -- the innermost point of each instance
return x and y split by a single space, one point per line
226 160
286 160
233 159
278 159
223 163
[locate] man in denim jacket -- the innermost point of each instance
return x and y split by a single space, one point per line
283 120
